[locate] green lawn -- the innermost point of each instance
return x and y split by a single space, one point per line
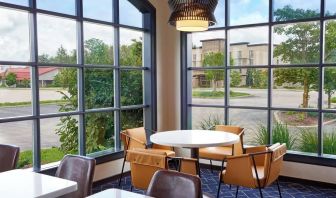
217 94
47 156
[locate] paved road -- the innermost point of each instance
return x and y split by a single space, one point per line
20 133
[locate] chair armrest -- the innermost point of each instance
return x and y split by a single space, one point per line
255 149
134 139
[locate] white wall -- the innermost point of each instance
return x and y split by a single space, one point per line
168 96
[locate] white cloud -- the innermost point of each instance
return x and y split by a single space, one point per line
198 37
54 32
302 4
252 35
14 39
102 32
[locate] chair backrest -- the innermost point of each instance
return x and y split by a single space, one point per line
237 147
136 133
144 163
189 166
9 156
167 184
79 169
273 162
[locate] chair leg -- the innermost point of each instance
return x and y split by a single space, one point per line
277 181
211 166
237 191
261 195
131 188
122 171
219 184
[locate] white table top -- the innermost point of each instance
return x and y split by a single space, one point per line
194 138
23 183
117 193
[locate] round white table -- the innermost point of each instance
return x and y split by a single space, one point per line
194 139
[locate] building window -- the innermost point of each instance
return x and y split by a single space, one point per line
286 88
71 77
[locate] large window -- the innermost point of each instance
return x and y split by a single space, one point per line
270 69
73 74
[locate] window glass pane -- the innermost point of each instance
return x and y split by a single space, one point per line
18 2
329 88
14 35
131 44
98 44
19 134
295 87
131 87
15 91
208 87
254 123
220 14
208 49
99 88
330 44
62 6
132 119
59 136
249 46
248 87
100 10
58 89
56 39
330 7
297 43
99 133
207 118
129 14
285 10
297 129
247 12
329 135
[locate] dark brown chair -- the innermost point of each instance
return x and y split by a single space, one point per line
79 169
167 184
9 156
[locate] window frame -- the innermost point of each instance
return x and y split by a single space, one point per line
148 69
187 69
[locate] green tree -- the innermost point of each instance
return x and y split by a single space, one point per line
300 47
11 79
249 77
259 78
214 59
26 83
329 83
99 94
235 78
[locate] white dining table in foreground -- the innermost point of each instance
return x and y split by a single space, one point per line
117 193
28 184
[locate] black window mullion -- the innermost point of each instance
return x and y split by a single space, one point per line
270 74
80 79
35 88
227 63
117 86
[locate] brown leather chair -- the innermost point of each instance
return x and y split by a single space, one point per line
258 168
145 162
167 184
136 138
220 152
9 156
79 169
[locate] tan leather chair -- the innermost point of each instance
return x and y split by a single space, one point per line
145 162
9 156
167 184
136 138
220 152
258 168
79 169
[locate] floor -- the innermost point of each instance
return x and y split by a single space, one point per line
210 181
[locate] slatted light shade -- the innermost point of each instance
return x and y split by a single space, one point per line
192 15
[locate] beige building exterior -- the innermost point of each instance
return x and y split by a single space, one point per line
242 54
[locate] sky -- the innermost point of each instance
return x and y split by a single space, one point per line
54 32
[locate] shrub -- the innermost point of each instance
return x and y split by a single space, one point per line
210 122
280 133
309 141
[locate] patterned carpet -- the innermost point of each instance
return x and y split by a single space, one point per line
210 182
